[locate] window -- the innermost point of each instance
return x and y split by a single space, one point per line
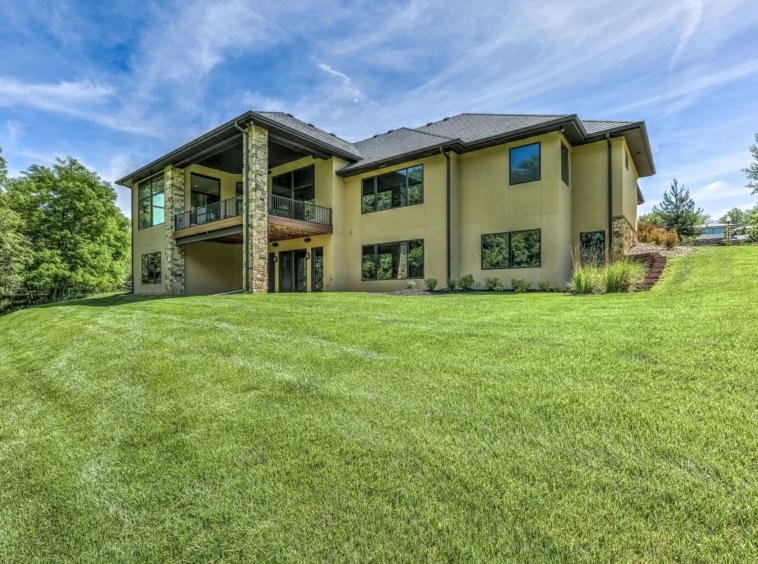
297 184
592 247
517 249
150 207
317 277
564 164
239 189
393 190
525 163
151 268
204 190
393 261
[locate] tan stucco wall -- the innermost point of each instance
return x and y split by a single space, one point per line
145 241
213 268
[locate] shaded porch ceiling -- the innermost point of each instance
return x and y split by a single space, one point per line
229 158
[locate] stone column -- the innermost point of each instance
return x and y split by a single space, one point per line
255 212
624 238
173 194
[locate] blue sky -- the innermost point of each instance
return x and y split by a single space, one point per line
117 84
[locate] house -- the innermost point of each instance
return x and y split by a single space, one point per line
268 203
713 234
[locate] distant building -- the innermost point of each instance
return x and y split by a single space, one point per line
714 234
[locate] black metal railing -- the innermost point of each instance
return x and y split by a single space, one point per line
296 209
277 205
210 213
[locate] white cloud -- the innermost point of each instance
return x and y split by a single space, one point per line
56 97
692 19
349 90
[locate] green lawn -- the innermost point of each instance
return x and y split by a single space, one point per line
466 428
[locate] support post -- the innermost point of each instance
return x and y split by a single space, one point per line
173 194
255 212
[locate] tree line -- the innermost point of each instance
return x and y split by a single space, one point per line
61 234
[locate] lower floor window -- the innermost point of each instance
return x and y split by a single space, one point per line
393 261
151 268
515 249
592 247
318 269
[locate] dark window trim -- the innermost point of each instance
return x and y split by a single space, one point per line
291 174
160 265
209 178
626 159
150 198
375 178
510 251
376 260
313 268
510 164
567 181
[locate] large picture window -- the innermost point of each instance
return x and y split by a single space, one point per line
393 261
525 163
297 184
151 268
395 189
592 247
150 205
517 249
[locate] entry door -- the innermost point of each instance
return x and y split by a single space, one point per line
293 271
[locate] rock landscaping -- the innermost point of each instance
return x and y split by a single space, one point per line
646 248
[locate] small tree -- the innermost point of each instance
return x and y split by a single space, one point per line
752 170
752 220
653 218
678 211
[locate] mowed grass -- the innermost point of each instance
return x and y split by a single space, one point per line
359 428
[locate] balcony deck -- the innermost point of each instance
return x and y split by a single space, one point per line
287 219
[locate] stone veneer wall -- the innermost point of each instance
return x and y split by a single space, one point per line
173 194
624 238
255 213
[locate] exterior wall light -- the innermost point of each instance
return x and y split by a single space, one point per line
307 239
307 256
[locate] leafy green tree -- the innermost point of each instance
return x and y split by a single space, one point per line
735 216
752 221
15 254
79 238
678 212
654 218
752 170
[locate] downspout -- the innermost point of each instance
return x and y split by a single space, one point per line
246 220
449 275
610 198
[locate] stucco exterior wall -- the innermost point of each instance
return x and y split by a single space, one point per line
213 268
146 241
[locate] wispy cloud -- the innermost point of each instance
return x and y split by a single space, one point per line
694 12
56 97
349 89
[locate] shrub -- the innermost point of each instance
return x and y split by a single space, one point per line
670 239
623 276
467 282
649 233
493 284
520 286
586 279
411 284
431 284
543 286
452 283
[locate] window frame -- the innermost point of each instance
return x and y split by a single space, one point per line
510 249
592 233
539 164
160 268
566 152
313 252
291 174
375 180
407 267
149 199
208 178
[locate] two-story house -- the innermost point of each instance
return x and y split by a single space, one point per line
268 203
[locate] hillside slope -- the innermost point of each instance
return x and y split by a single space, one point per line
341 427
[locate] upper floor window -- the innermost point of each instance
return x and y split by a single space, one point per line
525 163
395 189
517 249
150 205
204 191
564 164
393 261
297 184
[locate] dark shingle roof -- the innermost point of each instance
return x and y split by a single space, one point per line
596 126
309 130
471 128
394 144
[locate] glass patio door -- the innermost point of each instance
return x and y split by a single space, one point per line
293 271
